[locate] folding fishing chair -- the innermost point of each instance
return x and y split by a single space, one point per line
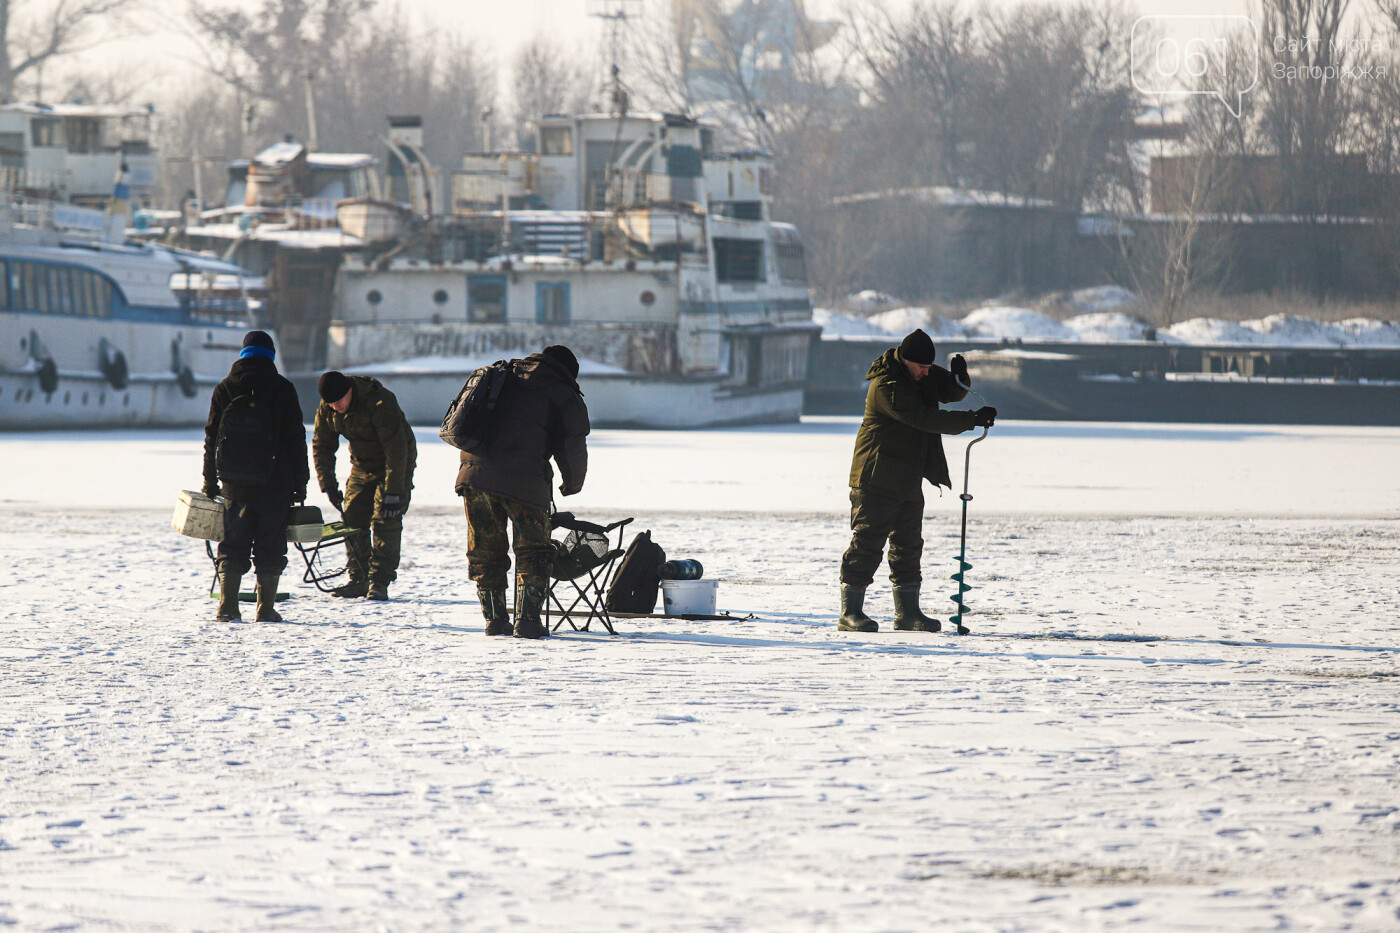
586 560
317 573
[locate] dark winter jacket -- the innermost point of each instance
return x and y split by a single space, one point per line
542 416
898 445
259 375
381 440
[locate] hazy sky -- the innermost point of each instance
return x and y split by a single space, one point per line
164 58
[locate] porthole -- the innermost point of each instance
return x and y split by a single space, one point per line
440 297
374 297
648 298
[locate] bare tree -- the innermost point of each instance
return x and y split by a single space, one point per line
32 34
545 80
357 65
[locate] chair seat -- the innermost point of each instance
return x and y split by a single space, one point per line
584 562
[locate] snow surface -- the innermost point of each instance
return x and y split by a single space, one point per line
1106 326
1005 322
1177 710
1104 299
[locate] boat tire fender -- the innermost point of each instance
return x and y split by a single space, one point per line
185 380
112 363
48 376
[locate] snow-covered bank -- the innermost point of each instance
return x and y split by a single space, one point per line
997 322
1175 712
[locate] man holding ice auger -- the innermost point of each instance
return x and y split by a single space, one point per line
897 448
383 454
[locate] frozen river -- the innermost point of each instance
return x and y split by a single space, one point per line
1178 709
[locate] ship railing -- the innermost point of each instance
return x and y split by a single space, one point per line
13 178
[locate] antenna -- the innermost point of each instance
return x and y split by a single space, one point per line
615 13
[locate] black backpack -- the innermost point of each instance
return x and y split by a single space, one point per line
246 454
638 577
470 421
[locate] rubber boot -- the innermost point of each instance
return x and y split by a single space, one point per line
907 615
493 608
267 597
229 583
529 600
853 618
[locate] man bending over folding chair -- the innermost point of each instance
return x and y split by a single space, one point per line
383 455
540 415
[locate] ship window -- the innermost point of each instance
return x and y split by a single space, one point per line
5 287
42 301
104 297
12 150
59 287
83 134
486 299
739 260
556 140
552 302
374 297
440 297
792 266
739 210
46 131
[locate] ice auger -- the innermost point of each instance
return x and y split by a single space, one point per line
963 565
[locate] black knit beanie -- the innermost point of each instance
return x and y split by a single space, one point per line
332 386
917 348
563 356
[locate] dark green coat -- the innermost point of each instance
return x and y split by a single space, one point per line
898 446
381 441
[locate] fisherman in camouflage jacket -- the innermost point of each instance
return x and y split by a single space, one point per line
383 455
897 448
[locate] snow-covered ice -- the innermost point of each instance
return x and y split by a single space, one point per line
1177 710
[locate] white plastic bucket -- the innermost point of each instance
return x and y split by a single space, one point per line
689 597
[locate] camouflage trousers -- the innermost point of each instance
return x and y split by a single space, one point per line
488 552
373 556
876 519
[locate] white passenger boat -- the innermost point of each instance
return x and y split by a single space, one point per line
95 331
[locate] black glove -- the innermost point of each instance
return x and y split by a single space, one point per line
570 490
958 367
337 498
211 490
984 417
391 506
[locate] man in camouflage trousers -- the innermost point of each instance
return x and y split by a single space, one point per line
383 455
897 448
541 415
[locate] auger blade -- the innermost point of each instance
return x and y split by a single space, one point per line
963 565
